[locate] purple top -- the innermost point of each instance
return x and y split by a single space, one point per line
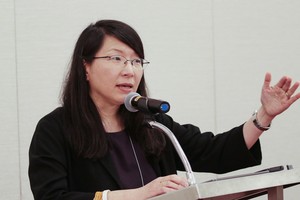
123 157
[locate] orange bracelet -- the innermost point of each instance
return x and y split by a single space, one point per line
98 196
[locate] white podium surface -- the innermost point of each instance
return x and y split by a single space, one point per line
245 187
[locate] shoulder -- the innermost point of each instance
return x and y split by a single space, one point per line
48 140
55 117
51 125
164 119
176 127
56 114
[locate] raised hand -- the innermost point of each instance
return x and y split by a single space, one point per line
276 99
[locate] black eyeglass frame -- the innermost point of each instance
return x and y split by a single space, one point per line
143 61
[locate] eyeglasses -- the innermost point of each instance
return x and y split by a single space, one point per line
137 63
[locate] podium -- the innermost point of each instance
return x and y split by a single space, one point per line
241 187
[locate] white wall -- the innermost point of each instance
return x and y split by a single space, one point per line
208 59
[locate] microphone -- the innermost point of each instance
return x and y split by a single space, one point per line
135 102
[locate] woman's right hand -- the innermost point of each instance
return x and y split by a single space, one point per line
162 185
158 186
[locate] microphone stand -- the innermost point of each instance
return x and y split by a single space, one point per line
189 173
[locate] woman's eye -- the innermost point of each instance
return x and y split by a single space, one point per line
116 58
138 61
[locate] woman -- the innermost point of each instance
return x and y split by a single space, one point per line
93 148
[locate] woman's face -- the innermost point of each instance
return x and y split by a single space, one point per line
110 82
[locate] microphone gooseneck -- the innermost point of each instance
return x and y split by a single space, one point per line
135 102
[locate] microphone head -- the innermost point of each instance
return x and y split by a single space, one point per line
128 99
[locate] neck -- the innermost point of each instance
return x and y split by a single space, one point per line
111 118
112 124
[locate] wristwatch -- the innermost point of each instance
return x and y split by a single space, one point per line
257 124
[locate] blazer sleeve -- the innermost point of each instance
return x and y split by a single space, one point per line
206 152
48 163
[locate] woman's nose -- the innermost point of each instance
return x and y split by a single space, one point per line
128 68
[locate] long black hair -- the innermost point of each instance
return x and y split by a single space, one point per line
83 126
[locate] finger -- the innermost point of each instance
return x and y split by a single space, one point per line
281 82
167 190
168 184
267 80
174 185
287 84
292 90
183 182
294 98
179 180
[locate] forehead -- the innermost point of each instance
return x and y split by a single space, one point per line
113 45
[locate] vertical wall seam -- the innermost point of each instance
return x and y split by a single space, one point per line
17 100
214 65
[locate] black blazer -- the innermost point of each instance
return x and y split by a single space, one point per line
56 173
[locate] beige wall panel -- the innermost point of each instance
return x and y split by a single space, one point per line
9 140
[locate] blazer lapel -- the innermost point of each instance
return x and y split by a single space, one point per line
109 166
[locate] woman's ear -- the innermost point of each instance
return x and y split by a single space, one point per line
85 65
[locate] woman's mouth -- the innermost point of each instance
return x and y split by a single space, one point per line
125 86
